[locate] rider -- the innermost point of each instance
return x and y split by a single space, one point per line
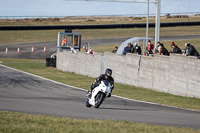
106 76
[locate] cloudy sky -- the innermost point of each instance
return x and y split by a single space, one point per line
82 8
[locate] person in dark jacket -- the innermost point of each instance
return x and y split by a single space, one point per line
190 50
176 49
136 49
162 50
115 50
107 76
127 49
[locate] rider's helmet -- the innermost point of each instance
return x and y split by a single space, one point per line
108 72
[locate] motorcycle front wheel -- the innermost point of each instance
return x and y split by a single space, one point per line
87 103
99 99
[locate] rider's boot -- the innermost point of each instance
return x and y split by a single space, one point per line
88 95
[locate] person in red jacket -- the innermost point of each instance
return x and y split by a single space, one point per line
150 48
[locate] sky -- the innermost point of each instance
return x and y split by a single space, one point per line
85 8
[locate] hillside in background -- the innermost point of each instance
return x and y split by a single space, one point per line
95 20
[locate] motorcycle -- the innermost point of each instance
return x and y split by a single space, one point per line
98 95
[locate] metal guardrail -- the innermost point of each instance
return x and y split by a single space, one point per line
107 26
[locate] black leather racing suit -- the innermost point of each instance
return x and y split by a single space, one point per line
101 78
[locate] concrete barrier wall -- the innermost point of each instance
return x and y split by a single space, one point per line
79 63
175 74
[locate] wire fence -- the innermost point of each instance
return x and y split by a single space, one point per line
120 15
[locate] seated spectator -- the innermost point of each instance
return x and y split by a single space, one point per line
190 50
85 48
127 49
156 49
172 44
136 49
162 50
149 48
115 50
73 50
88 50
175 49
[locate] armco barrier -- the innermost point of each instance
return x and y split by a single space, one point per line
175 74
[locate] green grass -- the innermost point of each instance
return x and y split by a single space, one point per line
38 67
13 37
11 122
23 123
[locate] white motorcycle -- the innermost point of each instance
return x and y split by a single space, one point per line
98 95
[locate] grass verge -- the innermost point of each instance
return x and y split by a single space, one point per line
11 122
38 67
13 37
23 123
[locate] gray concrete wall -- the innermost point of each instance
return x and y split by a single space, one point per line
175 74
79 63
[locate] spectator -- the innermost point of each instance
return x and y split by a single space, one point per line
127 49
63 41
136 49
190 50
115 50
175 49
162 50
150 48
88 50
73 50
156 49
85 49
172 44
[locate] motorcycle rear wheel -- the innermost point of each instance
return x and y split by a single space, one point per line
99 99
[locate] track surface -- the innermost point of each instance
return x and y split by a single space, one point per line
23 92
26 93
25 49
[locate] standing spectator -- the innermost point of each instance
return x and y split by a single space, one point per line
63 41
127 49
190 50
150 48
175 49
136 49
115 50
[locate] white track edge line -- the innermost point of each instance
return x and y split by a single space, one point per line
87 90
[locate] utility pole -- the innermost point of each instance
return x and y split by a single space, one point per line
147 24
157 28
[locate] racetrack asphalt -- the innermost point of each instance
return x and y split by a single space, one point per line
23 92
51 47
